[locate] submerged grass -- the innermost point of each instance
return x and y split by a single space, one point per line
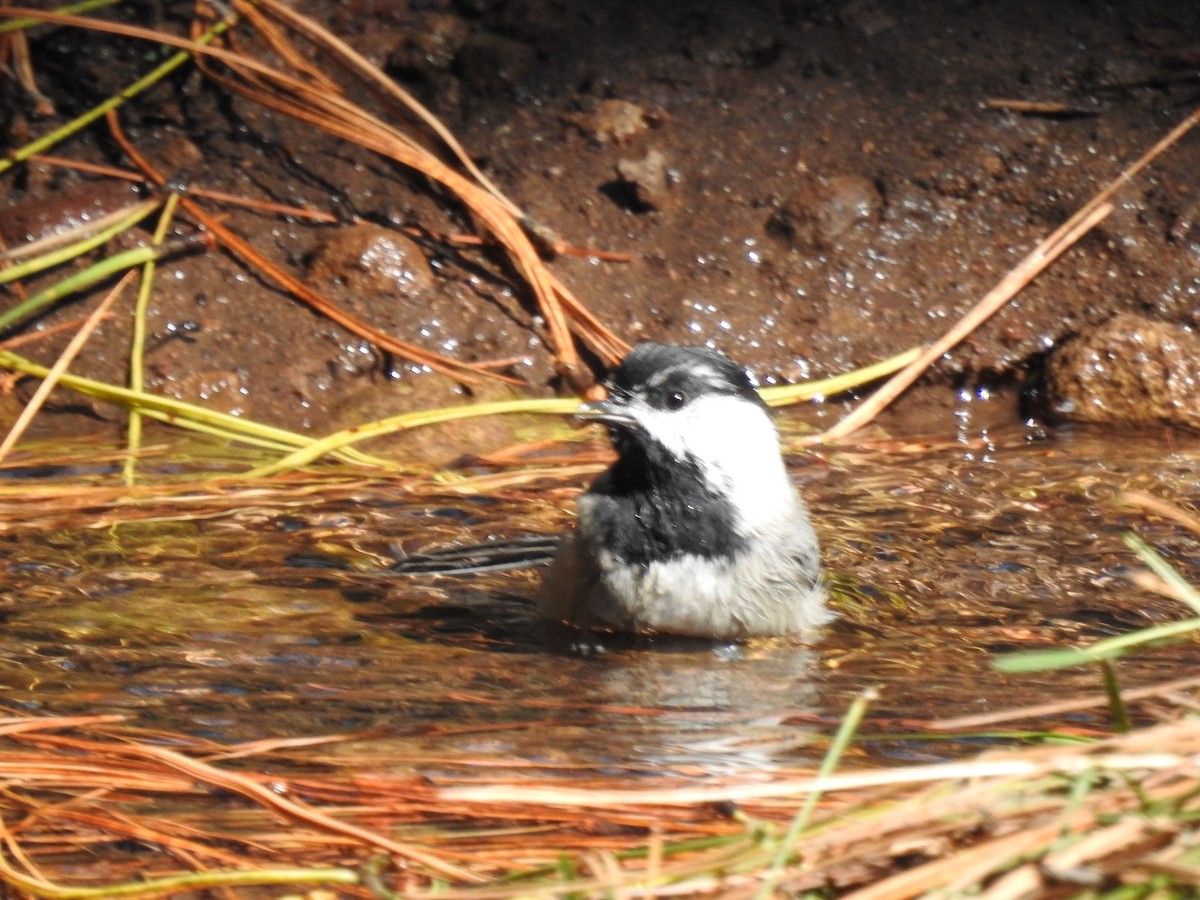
1071 814
1107 651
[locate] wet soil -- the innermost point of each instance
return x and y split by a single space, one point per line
273 612
809 186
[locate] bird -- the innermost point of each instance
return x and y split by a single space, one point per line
695 530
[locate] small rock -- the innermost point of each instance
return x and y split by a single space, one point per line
822 210
612 121
649 178
1130 369
1134 227
1185 221
371 259
956 185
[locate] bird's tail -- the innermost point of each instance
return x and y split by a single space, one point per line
523 552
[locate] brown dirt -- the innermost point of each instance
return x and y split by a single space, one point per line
808 185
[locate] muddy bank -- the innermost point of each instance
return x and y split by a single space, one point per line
807 186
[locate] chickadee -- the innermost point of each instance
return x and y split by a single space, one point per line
696 529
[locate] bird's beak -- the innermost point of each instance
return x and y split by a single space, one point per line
606 411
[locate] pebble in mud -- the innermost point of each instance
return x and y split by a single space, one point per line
1131 370
611 122
823 210
649 179
371 259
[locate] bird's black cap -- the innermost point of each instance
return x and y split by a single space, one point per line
660 369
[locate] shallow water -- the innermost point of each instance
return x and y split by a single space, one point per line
273 614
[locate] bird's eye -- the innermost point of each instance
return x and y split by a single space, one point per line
676 400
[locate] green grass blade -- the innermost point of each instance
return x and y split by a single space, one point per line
1109 648
79 281
1115 647
837 749
1116 703
1164 570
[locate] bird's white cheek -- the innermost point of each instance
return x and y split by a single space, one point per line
719 431
669 429
738 449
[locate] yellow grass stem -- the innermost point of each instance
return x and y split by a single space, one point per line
405 421
186 415
137 372
191 881
775 396
784 394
